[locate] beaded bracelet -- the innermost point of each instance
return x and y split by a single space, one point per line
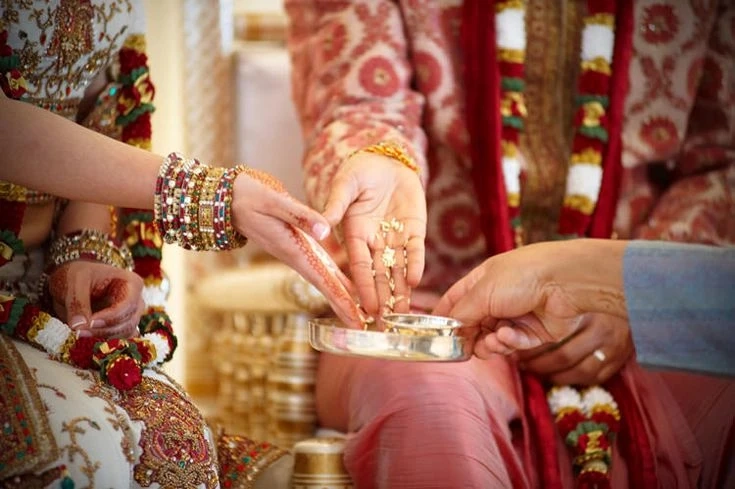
193 204
89 244
391 150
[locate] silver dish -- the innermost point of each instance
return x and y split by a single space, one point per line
407 337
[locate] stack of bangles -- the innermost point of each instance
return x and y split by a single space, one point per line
89 244
86 244
193 204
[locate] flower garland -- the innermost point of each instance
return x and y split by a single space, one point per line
511 44
119 361
590 133
588 423
590 123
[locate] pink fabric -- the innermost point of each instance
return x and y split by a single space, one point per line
461 425
365 70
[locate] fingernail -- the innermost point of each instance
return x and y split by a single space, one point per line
97 323
84 333
77 321
320 231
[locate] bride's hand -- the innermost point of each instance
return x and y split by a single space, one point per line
381 206
289 230
96 299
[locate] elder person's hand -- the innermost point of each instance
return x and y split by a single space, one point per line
538 294
381 206
591 355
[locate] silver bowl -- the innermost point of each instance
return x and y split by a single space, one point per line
407 337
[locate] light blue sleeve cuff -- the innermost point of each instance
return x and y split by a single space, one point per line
681 305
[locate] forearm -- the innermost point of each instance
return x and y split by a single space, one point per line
83 215
75 163
341 106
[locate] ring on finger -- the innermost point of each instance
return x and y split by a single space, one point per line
599 355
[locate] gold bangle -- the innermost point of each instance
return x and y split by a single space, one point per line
89 244
192 205
392 150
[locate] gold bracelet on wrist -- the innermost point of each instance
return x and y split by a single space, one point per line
89 244
392 150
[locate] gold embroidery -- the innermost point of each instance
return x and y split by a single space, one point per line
175 451
12 192
552 55
72 37
108 394
75 428
102 117
242 459
27 443
63 54
67 108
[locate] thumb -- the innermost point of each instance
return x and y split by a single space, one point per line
517 339
78 308
344 192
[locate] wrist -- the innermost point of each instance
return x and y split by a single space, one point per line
590 271
193 204
393 150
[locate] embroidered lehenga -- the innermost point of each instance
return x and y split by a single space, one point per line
64 426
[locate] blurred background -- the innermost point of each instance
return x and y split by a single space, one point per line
221 72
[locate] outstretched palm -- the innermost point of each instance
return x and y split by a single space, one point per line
382 208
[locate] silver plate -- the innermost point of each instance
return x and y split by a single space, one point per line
422 338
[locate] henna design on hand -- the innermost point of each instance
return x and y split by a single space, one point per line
323 264
58 284
266 179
